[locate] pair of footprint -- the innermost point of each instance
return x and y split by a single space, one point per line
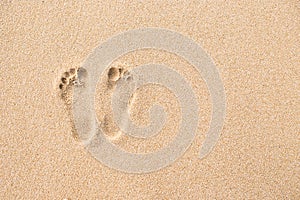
71 77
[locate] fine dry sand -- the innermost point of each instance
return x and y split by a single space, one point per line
255 46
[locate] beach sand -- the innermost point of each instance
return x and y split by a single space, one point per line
254 45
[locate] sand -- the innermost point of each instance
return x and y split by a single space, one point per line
254 45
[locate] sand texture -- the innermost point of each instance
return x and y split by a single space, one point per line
255 47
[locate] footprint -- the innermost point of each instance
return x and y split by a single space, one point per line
114 75
68 78
67 81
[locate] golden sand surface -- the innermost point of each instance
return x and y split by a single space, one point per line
255 46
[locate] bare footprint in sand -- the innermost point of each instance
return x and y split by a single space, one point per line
77 77
68 78
67 81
